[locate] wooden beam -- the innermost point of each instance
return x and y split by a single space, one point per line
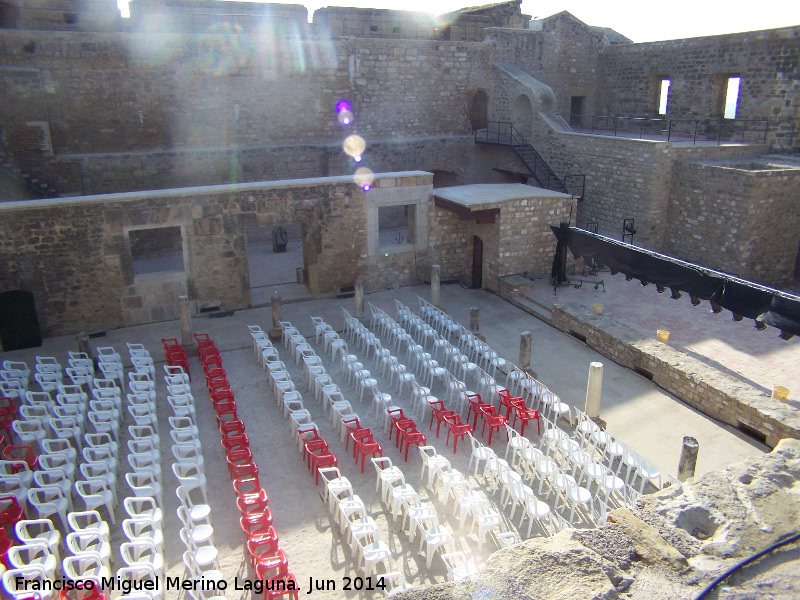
482 217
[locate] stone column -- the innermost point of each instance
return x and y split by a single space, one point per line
435 285
187 341
525 351
359 299
83 344
688 460
474 325
276 333
593 390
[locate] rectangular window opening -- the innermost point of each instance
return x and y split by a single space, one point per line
643 372
397 225
157 250
731 97
664 96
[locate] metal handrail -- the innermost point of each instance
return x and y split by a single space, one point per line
749 131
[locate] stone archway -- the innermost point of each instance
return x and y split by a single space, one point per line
522 116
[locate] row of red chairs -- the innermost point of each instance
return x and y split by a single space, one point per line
363 443
455 426
315 451
407 433
175 354
268 560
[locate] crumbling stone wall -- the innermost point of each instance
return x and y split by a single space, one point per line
74 254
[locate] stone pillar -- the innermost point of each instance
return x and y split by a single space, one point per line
359 299
474 325
525 352
435 285
83 344
187 341
594 390
276 333
688 460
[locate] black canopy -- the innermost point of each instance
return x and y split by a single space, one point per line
744 298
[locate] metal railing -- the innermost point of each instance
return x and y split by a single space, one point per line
504 133
719 130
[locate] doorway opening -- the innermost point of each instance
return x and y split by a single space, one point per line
479 113
275 259
477 262
522 116
576 111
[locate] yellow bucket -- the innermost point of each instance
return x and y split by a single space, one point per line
598 308
663 336
780 393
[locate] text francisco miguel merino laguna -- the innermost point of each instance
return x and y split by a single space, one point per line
257 586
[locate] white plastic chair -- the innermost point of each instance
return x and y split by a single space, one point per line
89 540
32 553
100 470
372 555
198 512
144 528
33 575
142 552
56 478
39 531
140 572
433 539
84 566
48 501
145 462
458 567
101 454
96 493
88 520
58 460
144 483
143 507
143 415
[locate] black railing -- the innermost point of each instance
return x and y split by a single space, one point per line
505 134
719 130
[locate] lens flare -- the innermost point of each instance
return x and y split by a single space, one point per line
343 106
357 158
354 145
364 178
345 118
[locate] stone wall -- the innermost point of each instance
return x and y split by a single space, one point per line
629 79
339 21
66 15
74 254
712 392
759 235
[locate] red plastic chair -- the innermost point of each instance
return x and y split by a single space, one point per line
252 504
203 340
218 383
214 373
227 428
476 405
510 402
355 432
326 459
525 415
366 447
234 442
312 447
221 396
411 437
93 594
264 547
21 453
285 585
244 471
272 567
9 412
396 415
246 485
226 412
493 420
5 544
238 456
10 511
258 526
440 413
458 429
208 353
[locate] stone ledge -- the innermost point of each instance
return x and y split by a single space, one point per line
714 393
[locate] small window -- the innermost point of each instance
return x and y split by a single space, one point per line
396 225
663 96
158 250
731 97
397 30
374 28
70 18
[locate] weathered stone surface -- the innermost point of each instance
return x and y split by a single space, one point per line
648 544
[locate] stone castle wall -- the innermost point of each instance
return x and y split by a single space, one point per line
74 254
767 62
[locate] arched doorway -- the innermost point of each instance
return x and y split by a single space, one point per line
479 114
522 116
477 262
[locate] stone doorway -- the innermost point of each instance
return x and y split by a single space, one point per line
522 116
270 270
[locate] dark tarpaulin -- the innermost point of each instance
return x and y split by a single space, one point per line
741 297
